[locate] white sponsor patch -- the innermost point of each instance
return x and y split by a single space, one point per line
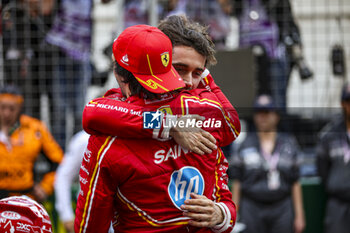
10 215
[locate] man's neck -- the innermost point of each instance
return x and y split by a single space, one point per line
267 136
270 135
8 129
5 129
267 141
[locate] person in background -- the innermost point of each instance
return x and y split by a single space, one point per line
24 26
137 12
333 157
67 173
270 29
22 139
265 173
214 13
20 214
69 43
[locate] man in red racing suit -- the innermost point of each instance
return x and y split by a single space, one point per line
166 172
110 104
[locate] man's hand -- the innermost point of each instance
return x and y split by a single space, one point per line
39 193
299 224
69 226
192 138
202 211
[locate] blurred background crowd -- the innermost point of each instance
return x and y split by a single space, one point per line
279 61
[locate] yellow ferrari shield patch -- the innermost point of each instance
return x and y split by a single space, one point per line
165 59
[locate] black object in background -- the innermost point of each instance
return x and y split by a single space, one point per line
338 60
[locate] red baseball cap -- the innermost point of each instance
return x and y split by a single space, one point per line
146 52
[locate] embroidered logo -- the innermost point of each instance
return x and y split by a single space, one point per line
165 59
183 182
125 59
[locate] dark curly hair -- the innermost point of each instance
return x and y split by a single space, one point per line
183 31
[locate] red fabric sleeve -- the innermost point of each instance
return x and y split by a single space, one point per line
112 115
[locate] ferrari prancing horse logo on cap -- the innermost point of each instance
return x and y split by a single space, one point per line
165 59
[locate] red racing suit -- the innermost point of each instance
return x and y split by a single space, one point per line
142 183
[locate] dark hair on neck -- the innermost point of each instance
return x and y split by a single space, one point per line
135 87
182 31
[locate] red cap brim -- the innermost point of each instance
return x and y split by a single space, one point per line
161 83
